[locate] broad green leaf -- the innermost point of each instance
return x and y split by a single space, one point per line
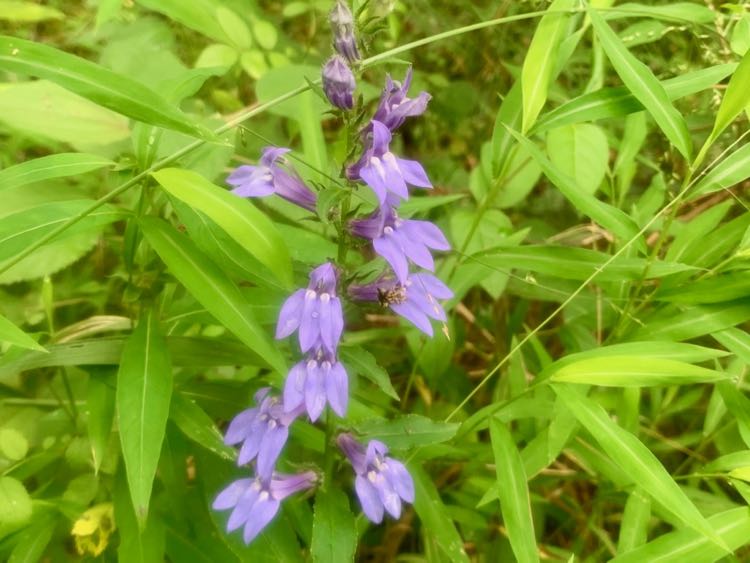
33 541
514 494
237 216
641 82
211 288
27 12
13 445
737 341
144 390
439 533
217 55
580 152
635 371
731 171
733 285
573 263
48 167
634 525
138 544
15 502
618 102
358 360
334 534
541 58
636 459
234 28
198 426
100 402
407 431
96 83
694 321
606 215
680 546
11 334
199 15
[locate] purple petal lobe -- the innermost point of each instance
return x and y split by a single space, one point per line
369 499
270 448
230 496
264 511
387 248
337 389
412 314
413 173
289 316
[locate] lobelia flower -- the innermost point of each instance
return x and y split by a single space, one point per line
255 501
268 177
344 39
415 299
399 240
262 430
380 169
339 83
395 106
315 380
382 482
316 312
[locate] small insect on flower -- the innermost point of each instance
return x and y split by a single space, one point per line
339 83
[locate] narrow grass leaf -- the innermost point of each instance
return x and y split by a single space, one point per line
634 525
639 79
11 334
731 171
198 426
211 288
334 533
514 494
636 459
144 390
252 229
49 167
94 82
100 403
734 100
694 321
736 340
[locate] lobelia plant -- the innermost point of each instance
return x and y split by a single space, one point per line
316 313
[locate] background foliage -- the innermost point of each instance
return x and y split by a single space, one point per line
589 169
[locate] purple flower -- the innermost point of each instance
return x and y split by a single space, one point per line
315 311
315 380
395 106
399 240
255 501
262 430
382 482
415 299
268 178
342 24
380 169
339 83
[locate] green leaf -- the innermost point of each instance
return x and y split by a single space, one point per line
639 79
541 58
734 100
514 493
731 171
235 29
27 12
360 361
734 285
144 390
619 102
581 152
636 459
15 502
237 216
732 526
694 321
198 426
138 544
11 334
606 215
199 15
684 12
407 431
634 526
96 83
334 534
100 402
735 340
13 445
211 288
635 371
33 541
49 167
217 55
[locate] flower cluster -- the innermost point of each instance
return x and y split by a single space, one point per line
316 314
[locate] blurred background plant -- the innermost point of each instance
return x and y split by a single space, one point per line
584 228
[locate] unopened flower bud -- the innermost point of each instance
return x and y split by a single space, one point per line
344 39
339 83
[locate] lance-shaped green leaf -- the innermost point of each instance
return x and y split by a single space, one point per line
634 525
629 453
729 172
211 287
334 534
540 60
606 215
144 390
49 167
11 334
407 431
236 215
94 82
514 494
644 85
198 426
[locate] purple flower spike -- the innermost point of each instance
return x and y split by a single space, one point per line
268 177
380 169
314 381
415 299
262 431
344 39
316 312
395 106
382 482
399 240
339 83
254 502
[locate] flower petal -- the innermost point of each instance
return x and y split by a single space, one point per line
369 499
294 388
289 316
337 389
375 180
415 250
240 427
401 480
428 233
270 448
413 173
386 247
244 508
414 315
315 397
230 496
263 512
432 285
309 326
